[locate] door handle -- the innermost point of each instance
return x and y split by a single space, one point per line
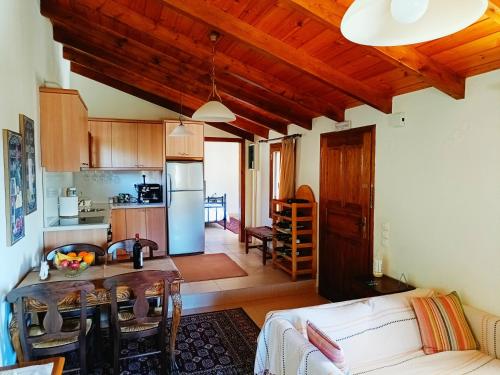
363 224
169 190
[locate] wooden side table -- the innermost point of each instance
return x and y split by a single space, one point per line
264 234
378 286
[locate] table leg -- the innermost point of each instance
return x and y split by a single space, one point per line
247 239
264 251
176 318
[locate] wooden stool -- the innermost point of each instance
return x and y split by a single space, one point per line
264 234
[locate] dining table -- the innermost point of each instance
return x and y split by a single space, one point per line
100 272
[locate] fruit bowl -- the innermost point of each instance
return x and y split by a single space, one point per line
73 264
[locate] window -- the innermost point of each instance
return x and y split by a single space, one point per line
274 172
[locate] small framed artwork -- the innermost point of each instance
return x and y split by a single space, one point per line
13 173
27 129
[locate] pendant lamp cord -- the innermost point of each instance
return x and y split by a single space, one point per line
180 114
214 93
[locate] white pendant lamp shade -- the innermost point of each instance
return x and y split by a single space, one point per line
180 131
401 22
213 111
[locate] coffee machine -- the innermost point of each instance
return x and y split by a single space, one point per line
148 193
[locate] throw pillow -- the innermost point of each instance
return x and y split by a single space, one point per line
442 323
327 346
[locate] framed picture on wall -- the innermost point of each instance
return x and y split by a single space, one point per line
27 129
13 174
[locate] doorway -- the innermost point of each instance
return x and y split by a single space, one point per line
346 210
225 184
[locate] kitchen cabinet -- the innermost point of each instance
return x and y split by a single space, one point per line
54 239
150 145
63 124
126 144
189 147
148 222
100 144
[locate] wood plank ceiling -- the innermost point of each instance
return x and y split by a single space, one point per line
278 61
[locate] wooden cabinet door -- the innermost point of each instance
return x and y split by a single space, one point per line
83 126
155 227
58 140
175 147
100 146
136 222
346 210
118 225
124 144
150 145
195 142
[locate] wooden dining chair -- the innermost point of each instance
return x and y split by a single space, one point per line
128 246
141 319
100 253
53 335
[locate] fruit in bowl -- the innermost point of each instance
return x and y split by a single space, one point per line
72 264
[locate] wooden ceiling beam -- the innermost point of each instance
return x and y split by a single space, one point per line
493 11
110 62
182 43
408 58
260 41
136 85
117 48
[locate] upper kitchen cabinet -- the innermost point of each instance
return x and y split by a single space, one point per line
126 144
63 124
184 148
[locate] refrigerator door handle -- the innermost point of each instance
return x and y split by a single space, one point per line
169 190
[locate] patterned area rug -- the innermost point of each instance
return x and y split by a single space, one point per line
214 343
232 224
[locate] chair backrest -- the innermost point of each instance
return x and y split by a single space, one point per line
76 247
139 282
128 245
49 294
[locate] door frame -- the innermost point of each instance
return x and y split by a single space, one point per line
362 129
241 141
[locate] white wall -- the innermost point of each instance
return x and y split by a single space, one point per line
437 184
28 57
222 173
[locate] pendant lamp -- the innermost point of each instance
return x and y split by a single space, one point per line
402 22
213 110
180 130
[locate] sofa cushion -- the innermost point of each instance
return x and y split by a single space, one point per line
486 330
327 346
442 323
418 363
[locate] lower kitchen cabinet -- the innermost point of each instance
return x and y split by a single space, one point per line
58 238
148 222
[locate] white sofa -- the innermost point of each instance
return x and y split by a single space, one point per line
379 335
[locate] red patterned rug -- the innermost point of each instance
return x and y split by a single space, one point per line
232 224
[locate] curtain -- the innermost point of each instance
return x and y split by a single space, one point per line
287 175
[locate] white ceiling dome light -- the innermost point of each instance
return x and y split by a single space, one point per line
402 22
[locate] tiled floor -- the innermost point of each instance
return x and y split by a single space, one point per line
263 290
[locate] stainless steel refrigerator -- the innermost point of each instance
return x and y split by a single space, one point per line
185 207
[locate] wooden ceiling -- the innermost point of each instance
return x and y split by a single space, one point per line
277 62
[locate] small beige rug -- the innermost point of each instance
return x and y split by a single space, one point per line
207 267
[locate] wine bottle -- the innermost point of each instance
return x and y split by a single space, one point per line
137 256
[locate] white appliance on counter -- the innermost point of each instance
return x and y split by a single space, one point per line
185 207
68 206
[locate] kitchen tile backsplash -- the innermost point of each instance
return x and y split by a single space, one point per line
54 186
100 185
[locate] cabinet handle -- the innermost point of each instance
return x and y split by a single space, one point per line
87 164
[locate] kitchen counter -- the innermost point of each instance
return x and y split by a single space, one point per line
82 223
136 205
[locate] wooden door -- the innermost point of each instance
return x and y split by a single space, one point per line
346 210
100 144
150 145
175 147
194 142
124 144
155 227
136 222
118 225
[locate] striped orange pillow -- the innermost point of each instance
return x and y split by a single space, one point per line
327 346
442 323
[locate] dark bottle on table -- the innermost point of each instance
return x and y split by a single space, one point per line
137 253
